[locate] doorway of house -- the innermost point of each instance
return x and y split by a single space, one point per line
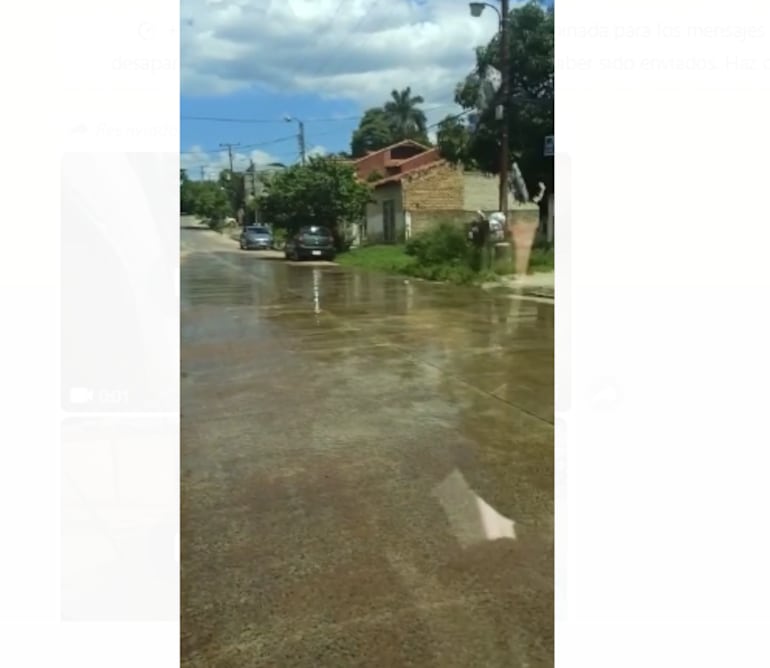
389 222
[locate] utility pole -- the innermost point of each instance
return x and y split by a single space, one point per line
230 153
300 136
302 141
506 84
203 173
253 169
477 8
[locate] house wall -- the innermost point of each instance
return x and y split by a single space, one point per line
374 224
447 195
482 192
437 189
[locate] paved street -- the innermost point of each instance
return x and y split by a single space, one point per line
367 468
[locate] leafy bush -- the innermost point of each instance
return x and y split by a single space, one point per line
541 260
444 244
443 254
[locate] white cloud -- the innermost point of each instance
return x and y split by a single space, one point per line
317 151
196 159
353 49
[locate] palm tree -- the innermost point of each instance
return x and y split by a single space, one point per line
406 119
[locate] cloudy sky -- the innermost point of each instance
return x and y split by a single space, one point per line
324 61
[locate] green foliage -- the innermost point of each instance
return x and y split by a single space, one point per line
541 260
398 119
441 254
531 111
374 176
458 273
234 185
405 117
387 259
206 199
444 244
453 138
374 132
323 192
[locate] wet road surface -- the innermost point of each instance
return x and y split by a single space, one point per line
367 468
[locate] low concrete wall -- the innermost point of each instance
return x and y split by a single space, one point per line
527 214
523 221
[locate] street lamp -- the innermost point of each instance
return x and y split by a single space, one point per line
476 10
478 7
300 137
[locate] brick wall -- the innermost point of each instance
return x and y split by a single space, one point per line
437 189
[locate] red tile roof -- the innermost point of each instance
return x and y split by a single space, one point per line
388 148
412 172
384 160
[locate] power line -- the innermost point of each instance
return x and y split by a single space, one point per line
330 119
219 119
314 137
264 143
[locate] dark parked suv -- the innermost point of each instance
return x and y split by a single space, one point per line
311 242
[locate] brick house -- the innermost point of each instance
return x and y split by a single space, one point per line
412 201
418 189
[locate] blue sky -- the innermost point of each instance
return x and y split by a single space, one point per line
324 61
328 123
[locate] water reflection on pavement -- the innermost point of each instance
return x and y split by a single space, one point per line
367 469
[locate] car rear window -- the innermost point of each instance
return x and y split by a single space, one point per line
258 230
316 231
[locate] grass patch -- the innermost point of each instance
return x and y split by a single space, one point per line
541 260
438 256
389 259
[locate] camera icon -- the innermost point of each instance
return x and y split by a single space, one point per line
81 395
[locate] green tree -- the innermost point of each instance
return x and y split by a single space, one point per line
453 138
404 115
323 192
530 114
211 203
398 119
373 133
186 192
206 199
235 187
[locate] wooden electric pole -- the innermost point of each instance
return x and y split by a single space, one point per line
253 169
302 151
506 83
230 154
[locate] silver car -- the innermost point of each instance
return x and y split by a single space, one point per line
256 237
